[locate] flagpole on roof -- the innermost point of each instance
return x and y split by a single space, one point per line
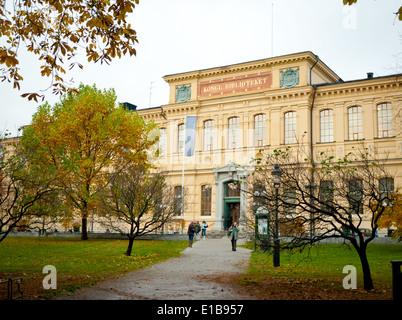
272 31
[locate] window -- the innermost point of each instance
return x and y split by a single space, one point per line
180 138
355 123
208 135
178 202
326 194
232 190
259 130
356 196
290 127
384 118
163 142
206 192
233 134
386 187
289 200
326 126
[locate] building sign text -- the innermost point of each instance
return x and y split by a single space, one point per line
235 85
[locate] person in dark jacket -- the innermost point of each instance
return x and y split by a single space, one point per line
191 233
233 233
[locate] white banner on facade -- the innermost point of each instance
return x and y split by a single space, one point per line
189 146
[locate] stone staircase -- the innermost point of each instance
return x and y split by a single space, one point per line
220 234
214 234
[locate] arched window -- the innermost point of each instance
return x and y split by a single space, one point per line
384 120
259 130
233 133
326 126
206 192
178 200
162 144
208 135
290 127
180 138
355 123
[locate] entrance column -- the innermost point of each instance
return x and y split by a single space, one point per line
242 176
219 205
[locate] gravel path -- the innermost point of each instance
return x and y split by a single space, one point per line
182 278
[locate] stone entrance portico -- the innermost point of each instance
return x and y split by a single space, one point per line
230 172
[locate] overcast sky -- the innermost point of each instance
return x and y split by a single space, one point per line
185 35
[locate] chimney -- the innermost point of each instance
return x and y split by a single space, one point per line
369 75
129 106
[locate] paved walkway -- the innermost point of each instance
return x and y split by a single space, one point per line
184 277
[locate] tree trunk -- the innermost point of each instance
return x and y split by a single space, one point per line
368 281
130 246
84 234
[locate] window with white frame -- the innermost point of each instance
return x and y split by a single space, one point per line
384 119
180 138
233 133
163 142
290 127
259 130
326 126
208 135
355 123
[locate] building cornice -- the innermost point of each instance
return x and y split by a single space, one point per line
360 87
249 66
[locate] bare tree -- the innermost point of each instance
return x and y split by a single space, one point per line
324 199
47 213
137 202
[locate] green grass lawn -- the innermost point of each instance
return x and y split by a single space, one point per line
325 262
78 263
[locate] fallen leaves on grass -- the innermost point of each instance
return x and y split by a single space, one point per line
277 288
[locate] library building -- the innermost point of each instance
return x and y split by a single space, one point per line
219 119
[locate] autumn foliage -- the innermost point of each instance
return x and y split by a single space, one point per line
54 31
83 138
392 216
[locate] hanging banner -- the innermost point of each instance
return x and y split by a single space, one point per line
191 122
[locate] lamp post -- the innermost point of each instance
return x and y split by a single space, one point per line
276 178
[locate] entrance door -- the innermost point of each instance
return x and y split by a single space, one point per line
231 214
235 212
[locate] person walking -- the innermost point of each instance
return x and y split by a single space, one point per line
233 235
197 229
191 233
204 227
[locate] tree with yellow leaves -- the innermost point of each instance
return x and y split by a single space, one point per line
55 30
392 216
350 2
83 138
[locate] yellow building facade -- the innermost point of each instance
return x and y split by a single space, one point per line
265 104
